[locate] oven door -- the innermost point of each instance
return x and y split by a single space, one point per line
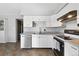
59 47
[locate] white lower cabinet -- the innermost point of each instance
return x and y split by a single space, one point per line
54 44
22 41
41 41
45 41
35 41
71 50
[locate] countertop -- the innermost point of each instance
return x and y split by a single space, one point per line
74 42
47 33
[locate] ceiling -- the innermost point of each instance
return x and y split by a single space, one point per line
30 9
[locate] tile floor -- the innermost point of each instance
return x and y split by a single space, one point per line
13 49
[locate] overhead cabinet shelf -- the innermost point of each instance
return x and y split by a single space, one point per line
72 15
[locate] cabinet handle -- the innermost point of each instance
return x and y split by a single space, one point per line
73 48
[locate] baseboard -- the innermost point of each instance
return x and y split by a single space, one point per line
11 41
2 42
7 41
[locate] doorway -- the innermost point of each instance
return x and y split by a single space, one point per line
19 28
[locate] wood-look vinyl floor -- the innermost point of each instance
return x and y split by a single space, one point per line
13 49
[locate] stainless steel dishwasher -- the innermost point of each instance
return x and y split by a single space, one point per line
26 40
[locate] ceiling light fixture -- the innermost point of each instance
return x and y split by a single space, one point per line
69 16
60 20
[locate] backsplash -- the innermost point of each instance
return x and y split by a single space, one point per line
71 24
44 29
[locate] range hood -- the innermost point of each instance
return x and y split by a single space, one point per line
72 15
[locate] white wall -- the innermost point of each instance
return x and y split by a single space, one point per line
9 35
2 37
12 29
2 34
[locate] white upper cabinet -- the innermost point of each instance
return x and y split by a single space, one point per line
43 21
54 22
27 21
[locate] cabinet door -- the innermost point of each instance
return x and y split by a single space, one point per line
48 24
44 41
67 50
27 21
74 51
55 44
70 50
35 41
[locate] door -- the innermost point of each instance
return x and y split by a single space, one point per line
19 29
